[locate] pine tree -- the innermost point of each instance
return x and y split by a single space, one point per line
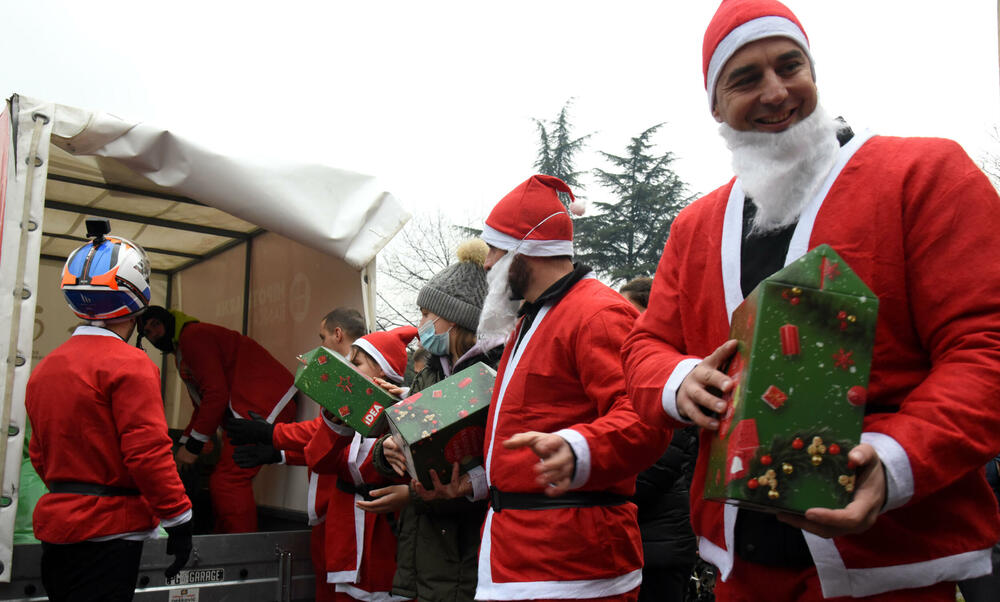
625 238
557 148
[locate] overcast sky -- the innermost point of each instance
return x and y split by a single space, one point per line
437 98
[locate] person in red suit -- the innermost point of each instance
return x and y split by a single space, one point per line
259 442
100 436
915 219
560 448
225 373
361 545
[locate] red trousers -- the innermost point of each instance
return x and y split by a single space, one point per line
758 583
231 487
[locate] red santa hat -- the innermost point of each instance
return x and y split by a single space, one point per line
737 23
388 349
532 219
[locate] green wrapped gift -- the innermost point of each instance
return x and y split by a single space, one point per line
444 423
805 345
332 382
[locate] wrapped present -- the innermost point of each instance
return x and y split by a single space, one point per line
332 382
444 424
805 337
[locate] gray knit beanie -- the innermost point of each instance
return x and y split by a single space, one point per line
456 293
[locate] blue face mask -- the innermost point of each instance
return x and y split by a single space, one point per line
434 343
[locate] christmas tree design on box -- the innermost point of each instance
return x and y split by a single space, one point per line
801 374
332 382
444 424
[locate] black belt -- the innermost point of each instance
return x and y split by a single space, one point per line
362 490
502 500
90 489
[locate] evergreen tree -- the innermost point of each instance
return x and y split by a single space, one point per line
625 238
557 148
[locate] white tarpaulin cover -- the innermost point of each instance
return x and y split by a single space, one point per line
179 200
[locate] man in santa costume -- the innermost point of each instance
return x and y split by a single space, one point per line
561 453
913 218
259 442
360 545
225 373
100 437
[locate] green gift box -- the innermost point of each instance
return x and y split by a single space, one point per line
332 382
444 424
801 374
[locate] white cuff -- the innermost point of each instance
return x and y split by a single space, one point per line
341 429
183 439
898 472
282 456
582 451
180 519
405 393
669 397
477 478
196 435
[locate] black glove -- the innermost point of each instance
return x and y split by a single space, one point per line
251 456
194 446
246 432
179 546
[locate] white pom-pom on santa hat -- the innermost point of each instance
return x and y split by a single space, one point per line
578 207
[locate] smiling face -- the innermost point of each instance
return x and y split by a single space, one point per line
767 86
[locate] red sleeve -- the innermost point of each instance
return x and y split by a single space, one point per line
137 410
201 354
294 436
36 455
326 452
613 438
655 347
948 424
295 458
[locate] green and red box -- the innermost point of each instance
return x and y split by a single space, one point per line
805 337
445 423
332 382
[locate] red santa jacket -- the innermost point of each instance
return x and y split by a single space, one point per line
224 369
362 560
97 417
291 438
565 376
914 218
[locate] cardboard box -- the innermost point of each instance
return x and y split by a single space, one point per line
805 344
444 423
332 382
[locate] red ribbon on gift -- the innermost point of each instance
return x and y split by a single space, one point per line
790 340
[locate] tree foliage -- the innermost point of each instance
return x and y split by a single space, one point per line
626 236
557 148
990 162
424 247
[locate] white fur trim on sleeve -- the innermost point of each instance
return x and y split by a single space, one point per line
341 429
582 451
669 397
477 478
898 472
196 435
180 519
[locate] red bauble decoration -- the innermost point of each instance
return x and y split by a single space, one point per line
857 395
851 465
833 449
798 443
753 484
766 460
794 300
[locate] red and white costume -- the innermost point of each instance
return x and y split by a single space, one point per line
563 375
914 218
224 369
360 561
291 439
97 417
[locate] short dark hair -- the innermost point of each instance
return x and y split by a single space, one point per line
638 288
348 319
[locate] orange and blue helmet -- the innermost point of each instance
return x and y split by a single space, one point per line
107 279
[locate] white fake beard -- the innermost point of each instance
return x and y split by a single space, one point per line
781 172
499 314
